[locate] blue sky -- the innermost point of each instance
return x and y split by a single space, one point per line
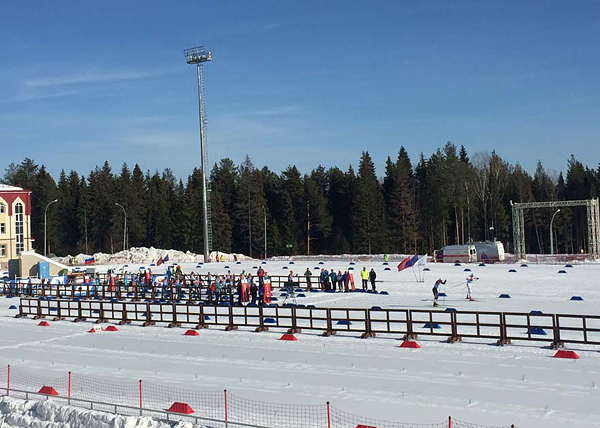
302 83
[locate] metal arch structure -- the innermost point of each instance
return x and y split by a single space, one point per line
593 215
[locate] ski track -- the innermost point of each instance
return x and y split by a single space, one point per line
473 381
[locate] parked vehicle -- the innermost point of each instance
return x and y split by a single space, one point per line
465 253
489 251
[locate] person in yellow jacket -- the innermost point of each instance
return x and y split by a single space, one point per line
364 275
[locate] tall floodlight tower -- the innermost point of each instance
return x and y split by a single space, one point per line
199 56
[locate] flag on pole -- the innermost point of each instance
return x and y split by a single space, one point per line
90 260
413 260
422 261
402 264
166 259
160 261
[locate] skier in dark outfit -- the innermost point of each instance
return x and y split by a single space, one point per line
436 291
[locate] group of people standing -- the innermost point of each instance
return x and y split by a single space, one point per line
331 280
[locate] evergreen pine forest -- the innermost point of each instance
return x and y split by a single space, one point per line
413 207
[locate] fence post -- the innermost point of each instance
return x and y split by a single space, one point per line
69 389
226 410
449 421
140 397
409 326
8 382
329 331
556 328
328 415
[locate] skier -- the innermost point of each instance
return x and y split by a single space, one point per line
372 276
435 290
470 281
364 275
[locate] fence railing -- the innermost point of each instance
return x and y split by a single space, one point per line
503 327
220 408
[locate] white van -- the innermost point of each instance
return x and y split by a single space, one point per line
466 253
489 251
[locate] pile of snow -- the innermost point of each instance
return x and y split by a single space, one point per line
46 414
147 255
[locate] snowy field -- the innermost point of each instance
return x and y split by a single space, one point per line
473 381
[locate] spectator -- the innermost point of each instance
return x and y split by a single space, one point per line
364 275
307 275
372 277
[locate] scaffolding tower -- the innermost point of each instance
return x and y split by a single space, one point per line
198 56
593 216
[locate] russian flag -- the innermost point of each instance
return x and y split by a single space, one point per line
90 260
413 260
402 264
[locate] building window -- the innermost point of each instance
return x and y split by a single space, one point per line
2 208
2 250
2 228
20 244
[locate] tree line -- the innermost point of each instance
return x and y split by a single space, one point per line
447 198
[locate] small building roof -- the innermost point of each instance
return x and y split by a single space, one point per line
7 188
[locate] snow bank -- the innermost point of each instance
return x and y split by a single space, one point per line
147 255
46 414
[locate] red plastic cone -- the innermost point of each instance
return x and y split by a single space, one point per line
566 354
191 333
43 324
409 344
289 337
111 328
47 390
183 408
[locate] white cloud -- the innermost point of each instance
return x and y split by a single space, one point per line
83 78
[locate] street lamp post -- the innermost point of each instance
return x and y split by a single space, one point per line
265 216
124 226
45 222
551 235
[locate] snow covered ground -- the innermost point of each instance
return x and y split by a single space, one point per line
16 413
473 381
